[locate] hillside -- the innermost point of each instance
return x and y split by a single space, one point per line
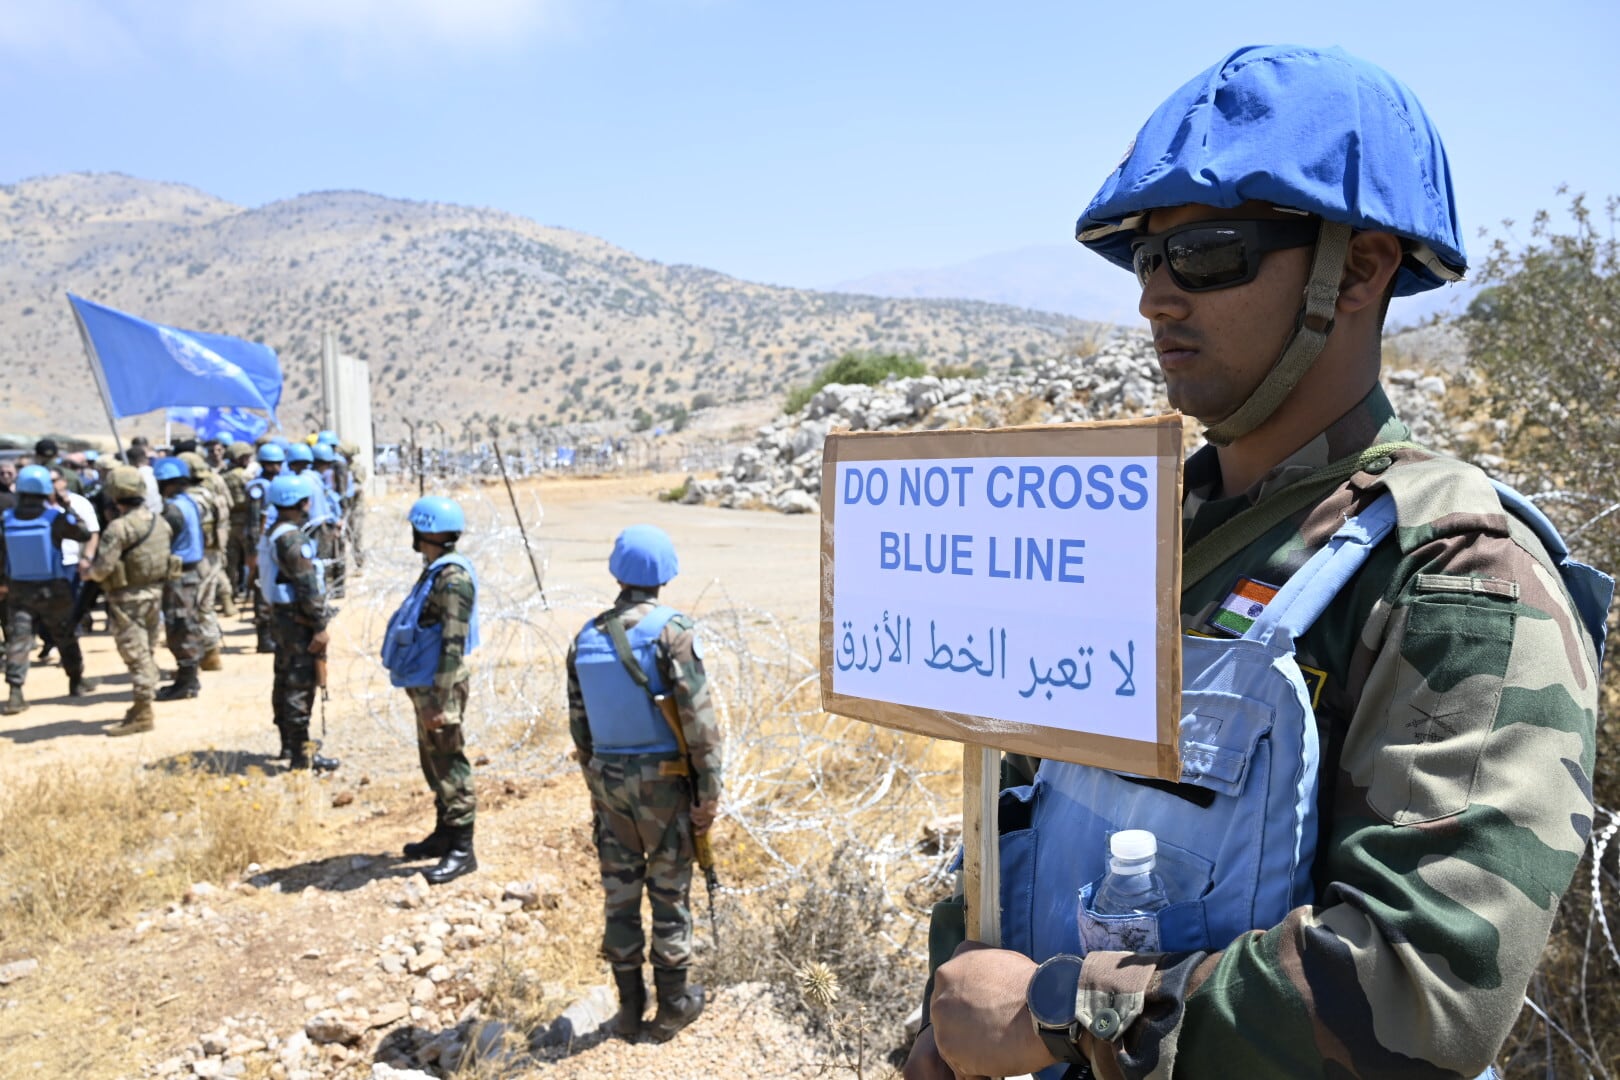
465 314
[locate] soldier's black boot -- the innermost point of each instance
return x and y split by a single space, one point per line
185 685
632 984
458 860
678 1004
286 751
79 686
435 843
267 644
15 704
306 755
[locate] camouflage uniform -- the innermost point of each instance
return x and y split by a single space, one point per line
137 539
214 500
442 752
240 547
1456 714
295 625
46 605
182 619
355 521
643 820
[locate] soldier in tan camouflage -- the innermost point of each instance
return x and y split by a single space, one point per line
215 599
132 564
239 546
649 745
1452 678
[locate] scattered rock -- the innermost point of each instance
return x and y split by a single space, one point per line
18 970
425 961
582 1019
391 1012
941 834
215 1043
201 890
328 1027
342 798
379 1071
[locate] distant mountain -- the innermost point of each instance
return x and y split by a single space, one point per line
1063 279
466 315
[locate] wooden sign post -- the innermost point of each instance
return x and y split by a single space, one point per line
1012 590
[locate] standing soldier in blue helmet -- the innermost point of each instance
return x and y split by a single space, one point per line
272 459
1386 769
330 535
291 582
646 737
425 651
184 628
36 585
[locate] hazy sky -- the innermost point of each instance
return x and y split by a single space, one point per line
795 143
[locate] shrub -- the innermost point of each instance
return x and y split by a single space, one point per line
855 368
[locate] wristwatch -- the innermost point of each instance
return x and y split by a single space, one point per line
1051 997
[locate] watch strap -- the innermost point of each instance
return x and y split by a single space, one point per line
1061 1043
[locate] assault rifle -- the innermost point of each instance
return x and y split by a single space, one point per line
665 703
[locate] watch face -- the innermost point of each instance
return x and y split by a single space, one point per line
1052 991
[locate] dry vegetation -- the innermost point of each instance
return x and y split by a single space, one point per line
471 316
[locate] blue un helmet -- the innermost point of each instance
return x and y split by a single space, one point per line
1315 131
300 452
643 555
437 514
270 452
34 480
326 438
171 468
323 453
288 489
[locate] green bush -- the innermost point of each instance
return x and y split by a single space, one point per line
862 369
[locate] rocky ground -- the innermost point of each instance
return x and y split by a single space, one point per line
333 957
781 470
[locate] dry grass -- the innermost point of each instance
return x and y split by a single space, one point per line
79 845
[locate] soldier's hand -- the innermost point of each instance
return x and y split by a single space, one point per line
84 568
981 1022
925 1062
704 813
317 644
433 719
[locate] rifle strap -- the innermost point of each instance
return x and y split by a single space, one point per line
621 647
1206 555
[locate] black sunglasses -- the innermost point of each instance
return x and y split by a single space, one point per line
1208 255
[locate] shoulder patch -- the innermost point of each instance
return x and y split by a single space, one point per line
309 549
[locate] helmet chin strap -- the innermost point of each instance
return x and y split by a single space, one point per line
1311 329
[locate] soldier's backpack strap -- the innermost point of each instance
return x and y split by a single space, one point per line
1590 589
1236 533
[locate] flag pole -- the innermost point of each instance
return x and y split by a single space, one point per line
101 376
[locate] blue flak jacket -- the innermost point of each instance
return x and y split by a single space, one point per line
188 542
31 550
1237 834
271 587
623 718
410 651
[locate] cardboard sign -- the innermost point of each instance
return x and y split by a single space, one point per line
1016 588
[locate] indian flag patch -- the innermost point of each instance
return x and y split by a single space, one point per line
1242 606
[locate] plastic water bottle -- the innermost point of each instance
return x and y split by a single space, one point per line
1131 887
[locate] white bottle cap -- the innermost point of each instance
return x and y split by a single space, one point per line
1133 851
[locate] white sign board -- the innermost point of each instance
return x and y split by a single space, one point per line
1014 588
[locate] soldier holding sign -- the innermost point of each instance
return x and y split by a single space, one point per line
1390 668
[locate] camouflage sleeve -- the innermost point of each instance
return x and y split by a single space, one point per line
680 656
1462 806
295 554
449 604
177 520
114 538
578 725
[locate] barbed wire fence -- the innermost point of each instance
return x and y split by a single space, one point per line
799 784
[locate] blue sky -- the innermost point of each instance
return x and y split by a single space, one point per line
793 143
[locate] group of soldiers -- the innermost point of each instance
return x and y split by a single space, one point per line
181 546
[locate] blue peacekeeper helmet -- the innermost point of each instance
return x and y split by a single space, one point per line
34 480
171 468
1308 129
288 489
300 452
643 555
271 452
437 514
327 438
323 452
